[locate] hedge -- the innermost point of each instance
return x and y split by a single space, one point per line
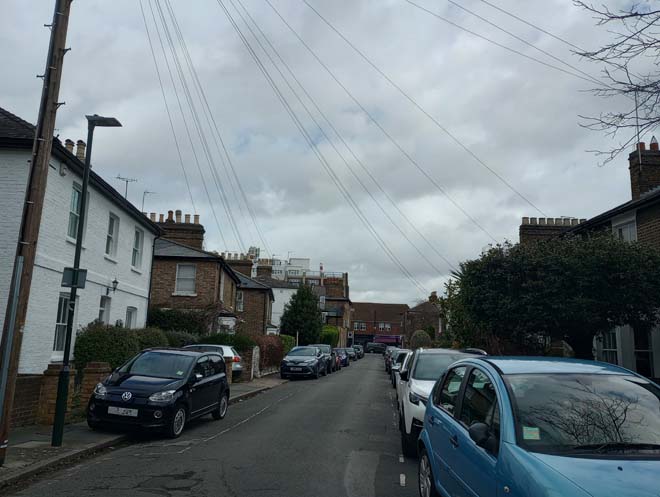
329 335
151 337
180 338
271 351
420 339
288 342
111 344
195 322
241 343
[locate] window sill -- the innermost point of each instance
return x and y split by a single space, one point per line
184 294
72 241
110 258
136 270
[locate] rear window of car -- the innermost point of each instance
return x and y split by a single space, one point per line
431 366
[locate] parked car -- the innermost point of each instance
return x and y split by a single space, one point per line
387 357
473 350
541 427
343 356
161 389
400 384
352 355
337 359
359 350
397 359
224 351
375 348
303 361
426 367
328 360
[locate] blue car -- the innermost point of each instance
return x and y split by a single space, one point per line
540 427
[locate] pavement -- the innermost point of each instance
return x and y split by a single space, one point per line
30 453
334 436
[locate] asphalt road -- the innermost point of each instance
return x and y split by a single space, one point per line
336 436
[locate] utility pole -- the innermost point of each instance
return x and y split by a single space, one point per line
127 181
26 249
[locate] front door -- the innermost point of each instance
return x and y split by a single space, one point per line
474 466
442 428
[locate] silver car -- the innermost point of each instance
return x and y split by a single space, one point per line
226 351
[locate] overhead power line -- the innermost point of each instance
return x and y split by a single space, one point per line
167 109
336 180
320 128
346 145
410 159
444 129
216 128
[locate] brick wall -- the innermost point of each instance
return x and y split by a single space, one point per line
536 229
25 409
646 177
164 283
186 233
254 309
648 226
229 292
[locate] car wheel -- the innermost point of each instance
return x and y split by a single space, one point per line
408 442
317 374
177 423
426 483
329 369
283 376
221 411
93 425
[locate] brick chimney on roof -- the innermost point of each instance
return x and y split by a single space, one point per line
534 229
80 150
644 175
68 144
186 233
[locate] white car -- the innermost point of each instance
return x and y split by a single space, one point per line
422 370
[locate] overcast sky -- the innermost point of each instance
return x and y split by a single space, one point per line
519 117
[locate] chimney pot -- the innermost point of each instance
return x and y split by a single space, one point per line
196 218
187 218
567 221
68 143
542 221
574 222
532 220
525 220
583 221
550 221
177 214
80 150
161 218
152 216
641 146
170 216
654 144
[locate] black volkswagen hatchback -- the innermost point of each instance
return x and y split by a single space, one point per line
161 389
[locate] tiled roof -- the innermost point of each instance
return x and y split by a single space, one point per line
275 283
373 311
169 248
246 282
17 133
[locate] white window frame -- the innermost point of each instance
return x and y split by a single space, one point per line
388 327
112 236
138 248
624 226
104 309
363 326
131 317
381 326
76 187
61 321
239 300
610 349
192 293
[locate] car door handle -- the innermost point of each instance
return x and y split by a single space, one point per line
454 441
431 420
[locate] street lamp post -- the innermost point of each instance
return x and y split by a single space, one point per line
63 380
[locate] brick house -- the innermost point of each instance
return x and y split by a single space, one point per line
254 307
425 316
374 321
188 278
637 220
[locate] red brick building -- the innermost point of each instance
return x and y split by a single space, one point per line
254 304
372 321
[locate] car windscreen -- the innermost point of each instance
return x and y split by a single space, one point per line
575 413
401 357
159 365
431 366
310 351
326 349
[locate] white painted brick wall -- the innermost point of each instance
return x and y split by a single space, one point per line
55 251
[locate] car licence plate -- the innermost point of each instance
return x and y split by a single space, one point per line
296 369
122 411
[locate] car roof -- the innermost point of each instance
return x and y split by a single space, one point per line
175 351
444 351
532 365
192 345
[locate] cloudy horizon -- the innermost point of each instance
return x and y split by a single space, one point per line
518 116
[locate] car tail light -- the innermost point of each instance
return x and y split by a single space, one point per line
237 359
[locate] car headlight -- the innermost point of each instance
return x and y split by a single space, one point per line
310 361
416 399
100 391
165 396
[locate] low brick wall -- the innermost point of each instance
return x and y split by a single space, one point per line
94 372
25 409
49 393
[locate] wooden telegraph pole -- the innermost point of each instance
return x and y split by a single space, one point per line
34 200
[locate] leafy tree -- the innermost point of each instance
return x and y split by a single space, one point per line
329 335
302 315
420 339
565 288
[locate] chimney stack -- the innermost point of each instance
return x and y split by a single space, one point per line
534 229
152 216
187 218
69 145
80 150
644 175
186 233
177 214
196 217
161 218
170 217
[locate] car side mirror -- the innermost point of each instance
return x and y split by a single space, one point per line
403 375
479 433
197 377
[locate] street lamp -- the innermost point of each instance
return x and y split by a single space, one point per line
63 380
